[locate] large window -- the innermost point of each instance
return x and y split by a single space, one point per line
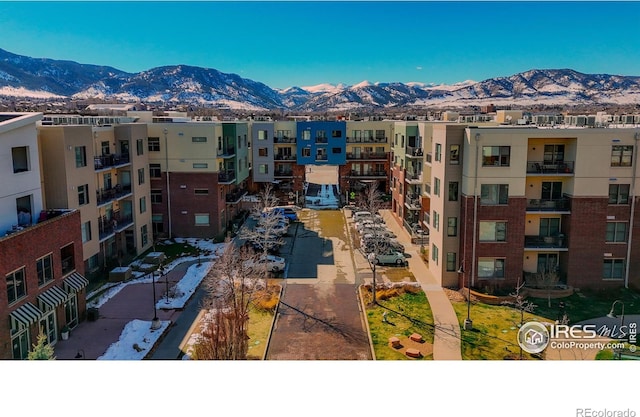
156 196
551 190
143 204
262 134
139 147
20 157
451 261
436 220
434 253
263 168
496 156
155 171
144 235
616 232
618 193
202 219
549 226
452 226
81 156
490 268
621 156
44 269
16 285
86 231
153 144
338 133
438 152
613 269
453 190
83 194
553 154
263 152
492 194
493 231
306 152
67 255
140 176
436 186
454 154
306 135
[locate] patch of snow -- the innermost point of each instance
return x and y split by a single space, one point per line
23 92
136 333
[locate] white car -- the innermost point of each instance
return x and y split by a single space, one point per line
273 263
391 257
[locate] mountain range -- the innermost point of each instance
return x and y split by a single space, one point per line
22 76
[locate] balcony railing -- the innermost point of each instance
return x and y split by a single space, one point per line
413 176
281 157
235 196
111 160
283 173
368 173
284 139
366 140
545 242
548 168
367 155
117 223
227 177
106 195
321 157
322 140
227 152
561 204
413 151
412 203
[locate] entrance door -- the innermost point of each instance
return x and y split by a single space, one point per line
48 327
71 311
547 262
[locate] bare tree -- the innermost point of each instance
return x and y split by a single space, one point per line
547 279
520 303
232 285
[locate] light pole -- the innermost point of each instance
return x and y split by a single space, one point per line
373 261
155 323
468 324
613 316
166 281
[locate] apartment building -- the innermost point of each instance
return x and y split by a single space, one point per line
103 172
513 202
41 247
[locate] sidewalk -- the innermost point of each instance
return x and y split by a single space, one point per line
446 345
134 301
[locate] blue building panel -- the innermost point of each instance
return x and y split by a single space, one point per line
321 143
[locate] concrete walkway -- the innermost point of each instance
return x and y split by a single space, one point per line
446 344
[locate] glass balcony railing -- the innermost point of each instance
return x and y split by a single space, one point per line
549 168
560 204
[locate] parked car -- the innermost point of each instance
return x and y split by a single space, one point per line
391 257
273 263
288 212
279 228
370 243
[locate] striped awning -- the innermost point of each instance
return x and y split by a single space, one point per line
52 298
75 282
26 314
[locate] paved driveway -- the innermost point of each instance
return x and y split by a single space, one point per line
319 317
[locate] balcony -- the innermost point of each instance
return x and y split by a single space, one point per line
227 152
413 152
375 156
227 177
283 173
235 196
371 173
366 140
282 157
413 177
548 168
321 157
412 203
110 161
118 222
558 242
284 139
107 195
560 204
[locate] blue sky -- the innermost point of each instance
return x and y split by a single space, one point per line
306 43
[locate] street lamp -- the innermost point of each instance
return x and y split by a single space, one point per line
613 316
373 261
468 324
155 323
166 281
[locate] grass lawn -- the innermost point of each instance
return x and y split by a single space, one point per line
259 328
407 313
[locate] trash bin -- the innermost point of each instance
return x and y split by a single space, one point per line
93 313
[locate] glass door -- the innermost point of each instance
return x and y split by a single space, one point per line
71 311
48 327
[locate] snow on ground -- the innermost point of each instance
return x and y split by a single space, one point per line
135 341
183 290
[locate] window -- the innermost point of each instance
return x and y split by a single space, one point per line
139 147
496 156
551 190
436 186
490 268
67 255
24 209
83 194
336 150
81 156
438 152
613 269
199 139
144 236
157 224
156 196
306 135
263 152
380 136
618 193
143 204
493 231
492 194
434 253
104 147
86 231
262 134
336 133
263 169
16 285
451 262
616 232
621 156
454 155
20 156
200 165
306 152
453 191
153 144
436 220
549 226
44 269
140 176
452 226
553 154
201 191
155 171
202 219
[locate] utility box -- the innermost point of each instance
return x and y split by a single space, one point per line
121 273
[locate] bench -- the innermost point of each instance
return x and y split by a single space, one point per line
395 342
413 353
416 337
